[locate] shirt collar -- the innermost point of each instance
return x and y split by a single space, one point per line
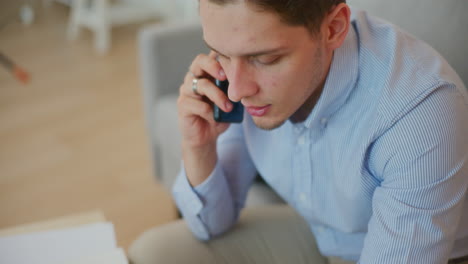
339 83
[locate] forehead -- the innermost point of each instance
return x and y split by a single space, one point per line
234 28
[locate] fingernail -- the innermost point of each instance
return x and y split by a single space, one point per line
228 106
221 73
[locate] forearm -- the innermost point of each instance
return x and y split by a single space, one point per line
199 162
213 206
207 209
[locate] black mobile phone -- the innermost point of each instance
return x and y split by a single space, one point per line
237 113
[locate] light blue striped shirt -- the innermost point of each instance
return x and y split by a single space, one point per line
379 169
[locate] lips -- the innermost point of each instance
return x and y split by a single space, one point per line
257 111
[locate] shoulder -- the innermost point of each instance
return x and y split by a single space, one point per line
400 71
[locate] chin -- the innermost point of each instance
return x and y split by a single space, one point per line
267 124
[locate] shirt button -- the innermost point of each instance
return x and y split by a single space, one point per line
301 140
302 198
324 121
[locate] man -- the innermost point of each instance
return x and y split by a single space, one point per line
358 126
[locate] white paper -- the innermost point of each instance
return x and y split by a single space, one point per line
57 246
115 256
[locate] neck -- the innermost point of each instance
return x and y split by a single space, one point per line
304 111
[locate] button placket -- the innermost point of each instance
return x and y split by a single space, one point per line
302 170
301 140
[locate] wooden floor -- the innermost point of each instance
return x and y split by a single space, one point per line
73 139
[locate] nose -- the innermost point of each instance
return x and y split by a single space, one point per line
241 82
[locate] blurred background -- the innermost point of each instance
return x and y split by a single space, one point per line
72 133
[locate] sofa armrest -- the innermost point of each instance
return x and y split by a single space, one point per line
165 53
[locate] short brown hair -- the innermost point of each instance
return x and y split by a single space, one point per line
308 13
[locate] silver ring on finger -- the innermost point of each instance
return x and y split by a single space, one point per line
195 86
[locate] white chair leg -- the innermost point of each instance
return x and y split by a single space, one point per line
102 39
102 26
78 7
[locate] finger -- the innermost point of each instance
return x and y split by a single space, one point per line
213 54
208 89
190 107
207 66
221 127
187 87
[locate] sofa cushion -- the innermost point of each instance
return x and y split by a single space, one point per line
168 138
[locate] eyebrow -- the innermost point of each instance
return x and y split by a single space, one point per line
253 54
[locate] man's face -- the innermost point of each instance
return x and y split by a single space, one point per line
273 68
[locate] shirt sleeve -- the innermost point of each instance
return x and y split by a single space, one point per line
212 207
422 163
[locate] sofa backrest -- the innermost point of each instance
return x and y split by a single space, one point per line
166 51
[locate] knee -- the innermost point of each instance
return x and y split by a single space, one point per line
155 245
167 244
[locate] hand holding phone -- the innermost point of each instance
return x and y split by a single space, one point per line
237 113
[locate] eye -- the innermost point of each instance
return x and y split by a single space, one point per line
266 59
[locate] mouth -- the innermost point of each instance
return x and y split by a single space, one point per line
257 110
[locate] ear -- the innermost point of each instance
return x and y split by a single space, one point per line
336 26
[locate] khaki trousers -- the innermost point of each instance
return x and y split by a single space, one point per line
271 234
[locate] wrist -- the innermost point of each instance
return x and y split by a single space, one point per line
199 162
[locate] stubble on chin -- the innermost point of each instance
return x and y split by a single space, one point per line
268 124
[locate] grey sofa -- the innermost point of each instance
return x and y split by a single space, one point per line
166 51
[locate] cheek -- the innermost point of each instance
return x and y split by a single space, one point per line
287 87
289 75
273 82
276 86
269 83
